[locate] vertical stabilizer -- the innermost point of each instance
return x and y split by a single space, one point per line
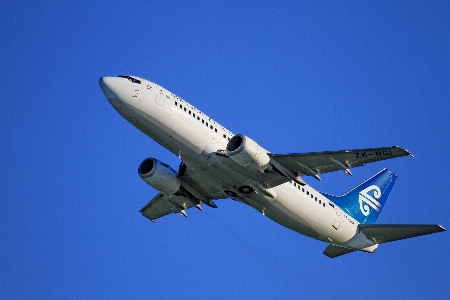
365 202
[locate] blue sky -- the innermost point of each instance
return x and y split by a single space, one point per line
295 76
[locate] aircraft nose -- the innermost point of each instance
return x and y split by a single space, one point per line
107 86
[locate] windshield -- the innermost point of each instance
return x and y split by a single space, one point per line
134 80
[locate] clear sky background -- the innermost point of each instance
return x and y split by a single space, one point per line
295 76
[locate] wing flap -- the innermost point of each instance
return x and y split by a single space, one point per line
380 233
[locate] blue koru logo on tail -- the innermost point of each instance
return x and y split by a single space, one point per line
366 200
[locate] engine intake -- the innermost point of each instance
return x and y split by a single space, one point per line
159 175
247 153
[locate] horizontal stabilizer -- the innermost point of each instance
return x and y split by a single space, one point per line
387 233
333 251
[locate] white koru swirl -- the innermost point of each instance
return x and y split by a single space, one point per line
369 200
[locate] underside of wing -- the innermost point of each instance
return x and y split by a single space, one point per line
380 233
313 164
163 205
195 190
267 180
201 184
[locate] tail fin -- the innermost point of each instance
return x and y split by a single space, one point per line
365 202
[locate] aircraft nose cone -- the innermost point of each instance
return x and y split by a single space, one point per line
107 86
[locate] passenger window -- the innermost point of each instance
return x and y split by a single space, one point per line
185 109
193 115
176 104
203 121
215 129
189 112
198 118
206 124
181 106
307 193
224 136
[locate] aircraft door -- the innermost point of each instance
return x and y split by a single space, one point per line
337 220
160 97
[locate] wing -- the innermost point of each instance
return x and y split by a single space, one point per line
313 164
196 190
163 205
199 182
267 180
316 163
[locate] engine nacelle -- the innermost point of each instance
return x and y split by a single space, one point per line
159 175
247 153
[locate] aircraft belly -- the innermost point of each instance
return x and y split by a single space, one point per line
285 207
305 216
282 215
360 241
301 212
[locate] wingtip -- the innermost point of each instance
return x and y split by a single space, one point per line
409 153
406 151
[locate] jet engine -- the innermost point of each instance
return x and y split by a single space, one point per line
159 175
247 153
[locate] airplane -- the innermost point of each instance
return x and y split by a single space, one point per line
217 164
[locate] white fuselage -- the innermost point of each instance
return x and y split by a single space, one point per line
193 136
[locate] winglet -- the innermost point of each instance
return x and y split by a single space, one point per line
409 153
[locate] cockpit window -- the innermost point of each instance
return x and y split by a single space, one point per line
134 80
